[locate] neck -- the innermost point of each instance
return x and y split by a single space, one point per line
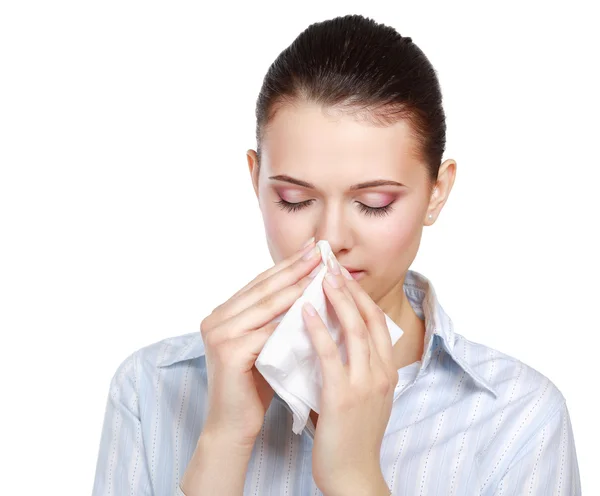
409 348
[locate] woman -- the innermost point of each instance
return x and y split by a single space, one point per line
350 136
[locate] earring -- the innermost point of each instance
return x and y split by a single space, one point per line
430 216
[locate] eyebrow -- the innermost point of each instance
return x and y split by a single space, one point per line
368 184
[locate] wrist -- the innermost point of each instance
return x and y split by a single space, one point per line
226 443
358 486
213 457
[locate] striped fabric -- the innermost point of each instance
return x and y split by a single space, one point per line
466 420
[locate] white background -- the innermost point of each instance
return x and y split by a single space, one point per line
127 211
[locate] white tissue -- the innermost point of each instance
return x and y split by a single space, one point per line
289 362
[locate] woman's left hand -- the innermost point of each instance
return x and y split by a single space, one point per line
356 399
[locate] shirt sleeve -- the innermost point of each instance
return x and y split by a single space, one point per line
121 468
547 463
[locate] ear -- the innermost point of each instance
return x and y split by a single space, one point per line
253 168
441 190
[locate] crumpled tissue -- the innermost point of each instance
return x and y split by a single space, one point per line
289 362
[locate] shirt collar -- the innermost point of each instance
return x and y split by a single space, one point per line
193 348
421 296
438 325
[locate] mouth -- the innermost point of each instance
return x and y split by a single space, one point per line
357 274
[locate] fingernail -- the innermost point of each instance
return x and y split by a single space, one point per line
332 280
311 253
310 310
333 265
309 242
346 273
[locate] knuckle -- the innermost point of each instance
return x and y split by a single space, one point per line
360 331
298 283
265 301
211 340
301 285
329 352
212 319
205 325
383 381
266 289
265 286
382 385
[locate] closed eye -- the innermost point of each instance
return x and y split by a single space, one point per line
368 211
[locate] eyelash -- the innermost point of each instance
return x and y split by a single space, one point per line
368 211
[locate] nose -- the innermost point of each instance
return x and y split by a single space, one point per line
335 228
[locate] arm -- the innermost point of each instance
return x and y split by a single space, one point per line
547 464
374 487
217 466
121 468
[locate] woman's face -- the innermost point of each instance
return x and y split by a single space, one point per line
314 181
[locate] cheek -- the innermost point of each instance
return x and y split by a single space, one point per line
284 234
394 242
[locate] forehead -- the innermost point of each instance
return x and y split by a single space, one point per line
306 138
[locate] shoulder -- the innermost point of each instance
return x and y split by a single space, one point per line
527 400
528 418
514 380
146 362
172 349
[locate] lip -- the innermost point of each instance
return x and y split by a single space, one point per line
354 272
357 274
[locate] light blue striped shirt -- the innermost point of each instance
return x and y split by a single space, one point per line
466 420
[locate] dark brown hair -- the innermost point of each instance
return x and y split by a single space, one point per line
352 64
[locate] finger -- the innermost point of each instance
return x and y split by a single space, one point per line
241 352
250 345
332 368
354 326
259 306
373 317
375 359
383 379
277 267
295 275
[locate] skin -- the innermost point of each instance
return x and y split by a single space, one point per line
333 152
357 396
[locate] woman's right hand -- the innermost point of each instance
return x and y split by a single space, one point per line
234 335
